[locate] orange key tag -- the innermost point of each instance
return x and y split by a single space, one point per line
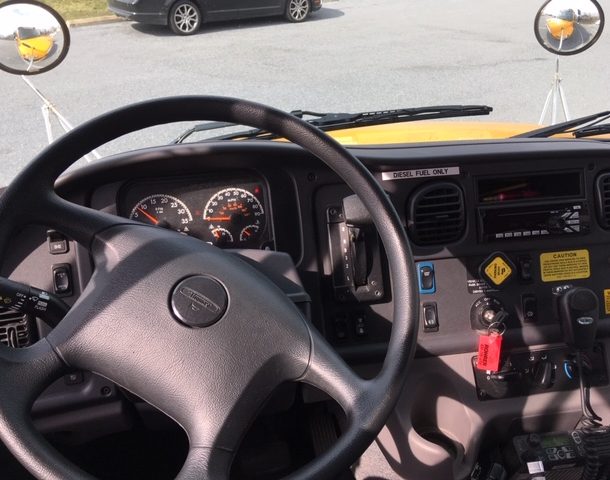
490 349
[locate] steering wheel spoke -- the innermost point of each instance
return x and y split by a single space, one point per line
24 374
328 372
77 222
206 464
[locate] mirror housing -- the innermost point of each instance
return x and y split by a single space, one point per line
34 38
568 27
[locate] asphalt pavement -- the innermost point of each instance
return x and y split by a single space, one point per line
350 56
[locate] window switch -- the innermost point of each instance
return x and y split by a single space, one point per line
62 279
425 274
58 243
430 317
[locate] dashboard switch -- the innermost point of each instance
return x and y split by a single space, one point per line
360 326
427 281
58 243
524 268
430 317
340 327
62 279
529 307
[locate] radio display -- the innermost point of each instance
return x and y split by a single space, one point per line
529 187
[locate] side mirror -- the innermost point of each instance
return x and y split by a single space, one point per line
567 27
34 38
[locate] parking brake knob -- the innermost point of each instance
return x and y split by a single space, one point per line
579 313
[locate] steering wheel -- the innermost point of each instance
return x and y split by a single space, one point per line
193 330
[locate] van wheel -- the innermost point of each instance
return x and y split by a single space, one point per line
297 10
184 18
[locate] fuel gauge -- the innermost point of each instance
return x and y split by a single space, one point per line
248 232
222 236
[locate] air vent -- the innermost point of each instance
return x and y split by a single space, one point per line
602 194
14 329
436 214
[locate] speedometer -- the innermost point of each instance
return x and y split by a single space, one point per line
164 211
234 215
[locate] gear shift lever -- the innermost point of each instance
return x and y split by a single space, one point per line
579 313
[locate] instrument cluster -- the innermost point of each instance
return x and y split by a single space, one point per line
225 211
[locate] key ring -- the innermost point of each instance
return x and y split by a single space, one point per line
500 328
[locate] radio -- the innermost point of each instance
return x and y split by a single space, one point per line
532 205
518 222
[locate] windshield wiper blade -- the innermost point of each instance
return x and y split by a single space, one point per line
566 127
592 130
336 121
328 121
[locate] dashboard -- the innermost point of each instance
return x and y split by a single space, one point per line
499 230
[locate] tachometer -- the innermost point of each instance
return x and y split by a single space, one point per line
164 211
237 214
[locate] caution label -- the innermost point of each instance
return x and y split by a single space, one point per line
607 301
498 271
566 265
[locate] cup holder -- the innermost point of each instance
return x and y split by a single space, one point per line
435 436
438 416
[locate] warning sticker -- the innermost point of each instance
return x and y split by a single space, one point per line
566 265
498 271
607 301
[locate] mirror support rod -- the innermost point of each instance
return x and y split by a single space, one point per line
555 93
49 109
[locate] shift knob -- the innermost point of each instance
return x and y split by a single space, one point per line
579 313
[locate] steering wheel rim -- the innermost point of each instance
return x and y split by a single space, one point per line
31 199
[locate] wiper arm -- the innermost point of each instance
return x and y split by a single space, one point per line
336 121
202 127
567 127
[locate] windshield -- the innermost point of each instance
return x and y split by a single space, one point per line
342 56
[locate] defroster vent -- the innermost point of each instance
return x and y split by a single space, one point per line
436 214
602 196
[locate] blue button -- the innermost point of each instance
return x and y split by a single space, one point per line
425 275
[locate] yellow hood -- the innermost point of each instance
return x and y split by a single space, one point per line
429 131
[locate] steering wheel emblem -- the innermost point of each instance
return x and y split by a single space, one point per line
199 301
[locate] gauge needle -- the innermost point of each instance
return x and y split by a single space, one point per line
218 219
148 215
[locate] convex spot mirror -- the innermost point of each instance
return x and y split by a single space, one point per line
34 38
567 27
